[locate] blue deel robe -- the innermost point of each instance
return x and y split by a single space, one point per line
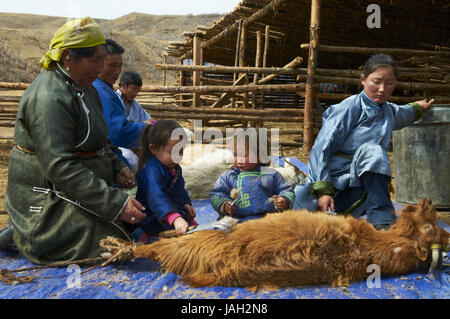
354 139
160 194
256 188
122 132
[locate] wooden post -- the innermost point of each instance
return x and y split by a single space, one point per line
266 51
196 60
308 135
164 72
266 46
243 60
255 76
236 57
181 79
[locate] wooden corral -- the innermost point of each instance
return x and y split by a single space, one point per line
333 38
280 63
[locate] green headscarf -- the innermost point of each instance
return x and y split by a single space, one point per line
77 33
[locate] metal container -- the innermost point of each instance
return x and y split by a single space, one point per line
422 159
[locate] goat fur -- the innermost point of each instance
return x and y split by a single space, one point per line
300 248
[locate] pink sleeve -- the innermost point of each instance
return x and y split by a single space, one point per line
170 217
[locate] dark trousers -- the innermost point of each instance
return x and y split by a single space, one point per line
378 205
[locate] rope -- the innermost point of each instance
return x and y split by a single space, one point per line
120 249
9 278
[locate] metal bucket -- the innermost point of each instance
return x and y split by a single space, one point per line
422 159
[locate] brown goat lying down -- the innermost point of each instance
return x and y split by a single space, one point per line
300 248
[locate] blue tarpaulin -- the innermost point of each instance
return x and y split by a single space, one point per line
143 278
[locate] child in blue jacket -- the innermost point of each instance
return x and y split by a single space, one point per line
160 182
260 189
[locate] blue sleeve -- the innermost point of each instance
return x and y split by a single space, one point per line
405 115
283 188
337 122
143 115
221 191
152 183
122 133
187 199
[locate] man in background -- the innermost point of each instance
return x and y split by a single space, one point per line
129 86
122 132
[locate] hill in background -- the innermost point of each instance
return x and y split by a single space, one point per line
24 38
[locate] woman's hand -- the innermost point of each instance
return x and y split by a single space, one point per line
125 178
132 213
324 202
424 104
190 211
229 210
180 225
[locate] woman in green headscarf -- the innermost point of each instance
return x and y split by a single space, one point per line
60 197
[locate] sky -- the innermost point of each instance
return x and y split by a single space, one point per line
112 9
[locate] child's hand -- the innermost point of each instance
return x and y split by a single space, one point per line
229 210
280 202
180 225
190 211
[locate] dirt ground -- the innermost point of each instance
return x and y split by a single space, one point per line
4 163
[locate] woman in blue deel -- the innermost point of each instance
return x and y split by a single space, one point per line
349 169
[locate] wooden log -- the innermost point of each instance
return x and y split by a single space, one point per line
266 46
14 86
280 111
308 135
197 60
215 81
8 109
220 88
256 75
399 85
230 69
365 50
290 144
394 99
244 118
7 123
267 10
293 64
281 131
265 54
226 96
6 144
164 72
243 60
10 99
